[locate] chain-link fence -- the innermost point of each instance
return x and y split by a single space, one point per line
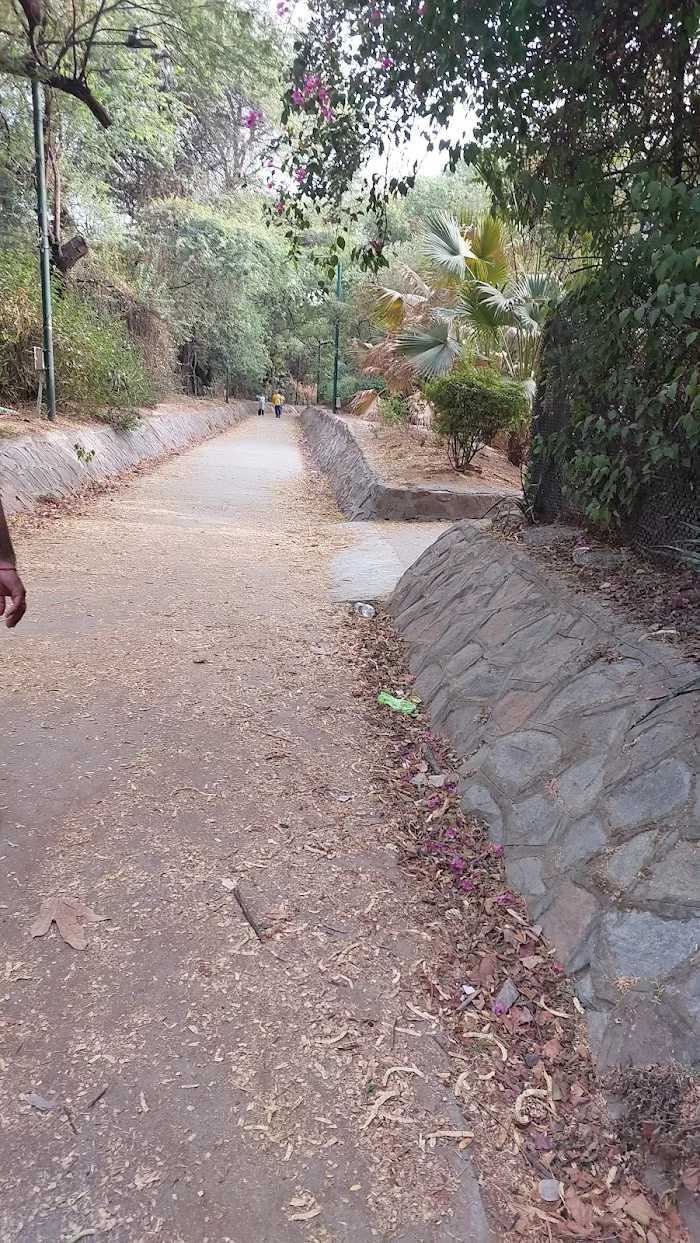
668 507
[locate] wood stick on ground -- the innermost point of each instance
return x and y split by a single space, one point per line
246 913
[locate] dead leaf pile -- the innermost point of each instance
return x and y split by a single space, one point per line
552 1162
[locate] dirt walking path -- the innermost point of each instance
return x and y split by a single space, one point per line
177 718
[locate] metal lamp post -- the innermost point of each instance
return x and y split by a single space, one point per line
44 264
338 295
318 373
134 42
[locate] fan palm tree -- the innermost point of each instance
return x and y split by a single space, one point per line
472 303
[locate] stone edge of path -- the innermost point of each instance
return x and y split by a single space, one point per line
47 464
541 692
362 494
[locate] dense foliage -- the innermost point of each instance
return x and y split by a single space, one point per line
586 119
622 364
573 99
168 199
471 406
97 365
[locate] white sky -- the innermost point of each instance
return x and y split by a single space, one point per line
401 160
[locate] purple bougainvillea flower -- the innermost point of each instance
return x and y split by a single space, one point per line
328 114
506 899
557 968
467 885
496 850
301 174
457 864
279 208
375 15
498 1008
387 62
434 848
297 98
449 834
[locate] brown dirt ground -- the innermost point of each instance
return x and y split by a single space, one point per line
24 420
663 598
178 712
183 707
412 455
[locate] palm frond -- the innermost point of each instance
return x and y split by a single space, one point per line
387 307
490 262
412 281
363 402
445 246
383 360
433 350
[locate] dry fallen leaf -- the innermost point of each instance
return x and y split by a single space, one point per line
68 914
579 1212
147 1178
485 970
551 1049
639 1209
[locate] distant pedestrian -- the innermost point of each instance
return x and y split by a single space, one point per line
277 403
262 399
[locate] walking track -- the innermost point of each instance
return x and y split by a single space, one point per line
178 711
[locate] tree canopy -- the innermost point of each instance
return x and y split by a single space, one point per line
571 99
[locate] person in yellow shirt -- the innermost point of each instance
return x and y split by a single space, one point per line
277 403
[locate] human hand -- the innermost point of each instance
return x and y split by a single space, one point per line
12 589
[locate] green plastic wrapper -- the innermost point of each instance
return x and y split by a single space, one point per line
399 705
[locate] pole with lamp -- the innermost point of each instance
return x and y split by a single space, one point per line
135 42
336 360
318 373
44 264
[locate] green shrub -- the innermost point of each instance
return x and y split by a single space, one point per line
618 404
97 366
471 407
124 420
395 409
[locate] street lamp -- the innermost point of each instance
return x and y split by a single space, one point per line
44 265
338 295
135 41
318 373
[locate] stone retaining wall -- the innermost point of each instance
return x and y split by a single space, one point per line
361 494
541 692
47 464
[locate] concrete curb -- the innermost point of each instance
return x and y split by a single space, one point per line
360 492
48 464
542 693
